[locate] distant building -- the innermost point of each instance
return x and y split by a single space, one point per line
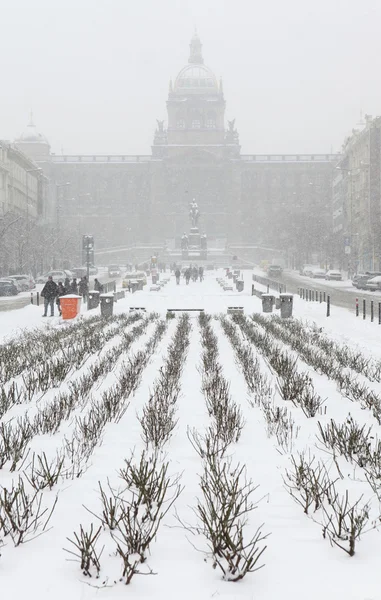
357 198
276 201
22 184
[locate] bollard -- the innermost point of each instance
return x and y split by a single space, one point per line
114 286
364 308
323 296
252 289
310 295
320 297
268 289
371 311
328 306
31 297
316 296
303 294
357 307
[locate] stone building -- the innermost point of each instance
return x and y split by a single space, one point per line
357 197
276 202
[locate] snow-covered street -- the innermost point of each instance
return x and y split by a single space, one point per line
69 433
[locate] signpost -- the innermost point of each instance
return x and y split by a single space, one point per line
88 248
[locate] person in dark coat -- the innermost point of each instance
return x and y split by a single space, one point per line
201 273
98 287
83 288
67 284
61 291
74 287
187 275
49 293
177 275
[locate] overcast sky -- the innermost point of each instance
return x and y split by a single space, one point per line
296 73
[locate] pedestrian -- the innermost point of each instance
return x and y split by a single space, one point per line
67 284
61 291
177 275
201 273
49 293
83 288
98 287
74 287
187 275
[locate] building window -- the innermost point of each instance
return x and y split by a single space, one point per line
211 124
196 124
181 124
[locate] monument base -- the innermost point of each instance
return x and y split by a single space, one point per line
194 238
194 230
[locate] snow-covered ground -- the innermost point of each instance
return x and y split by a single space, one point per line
299 563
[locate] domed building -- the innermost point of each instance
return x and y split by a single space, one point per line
244 200
32 143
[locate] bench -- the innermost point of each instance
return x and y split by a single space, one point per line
235 310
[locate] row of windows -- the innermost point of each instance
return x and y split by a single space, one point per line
196 124
193 83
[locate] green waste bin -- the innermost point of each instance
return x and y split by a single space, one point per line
286 303
93 299
107 304
267 303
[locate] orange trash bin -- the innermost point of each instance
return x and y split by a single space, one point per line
70 306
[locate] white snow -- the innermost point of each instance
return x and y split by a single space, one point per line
299 563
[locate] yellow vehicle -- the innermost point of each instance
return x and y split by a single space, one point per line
136 275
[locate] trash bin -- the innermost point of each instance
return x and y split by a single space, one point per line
267 303
70 306
107 304
239 285
133 285
286 302
93 299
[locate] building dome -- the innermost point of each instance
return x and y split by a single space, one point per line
196 77
31 135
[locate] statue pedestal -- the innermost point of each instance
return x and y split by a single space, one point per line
194 238
194 230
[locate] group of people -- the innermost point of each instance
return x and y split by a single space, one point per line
52 292
193 273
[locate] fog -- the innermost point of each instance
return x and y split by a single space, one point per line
296 74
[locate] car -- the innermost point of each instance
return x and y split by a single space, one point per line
57 276
79 272
333 275
8 288
374 284
114 271
363 280
134 276
274 270
308 269
23 282
356 277
317 273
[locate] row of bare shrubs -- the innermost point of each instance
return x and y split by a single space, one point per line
222 513
52 370
342 520
129 517
293 386
15 435
158 418
279 420
331 359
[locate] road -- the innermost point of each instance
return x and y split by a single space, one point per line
342 293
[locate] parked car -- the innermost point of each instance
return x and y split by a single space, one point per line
24 282
274 270
356 277
114 271
57 276
333 275
374 284
21 285
307 270
317 273
79 272
363 280
8 288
